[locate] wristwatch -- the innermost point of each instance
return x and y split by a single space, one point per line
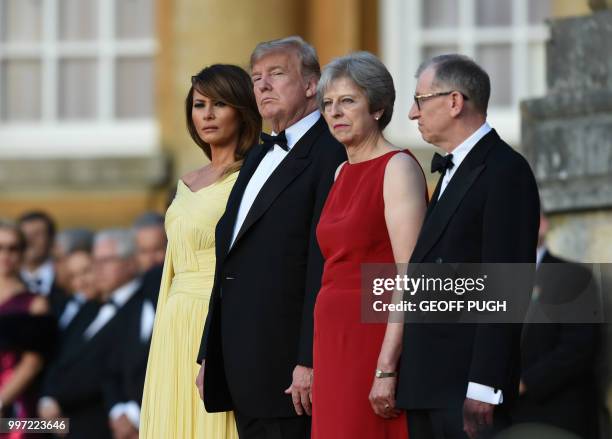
381 374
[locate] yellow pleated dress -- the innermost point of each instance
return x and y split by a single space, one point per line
171 405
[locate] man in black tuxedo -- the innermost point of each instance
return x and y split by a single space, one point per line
38 271
124 383
73 386
559 346
256 349
485 208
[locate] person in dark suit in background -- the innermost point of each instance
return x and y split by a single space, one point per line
74 268
38 271
256 350
557 384
67 242
151 240
74 383
124 383
453 378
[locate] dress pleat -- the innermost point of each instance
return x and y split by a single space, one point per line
171 406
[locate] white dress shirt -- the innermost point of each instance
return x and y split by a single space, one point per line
147 318
71 310
40 280
119 297
268 164
541 251
461 151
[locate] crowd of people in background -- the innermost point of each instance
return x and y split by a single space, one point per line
86 301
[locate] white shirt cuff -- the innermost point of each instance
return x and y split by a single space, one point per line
132 411
46 400
117 410
483 393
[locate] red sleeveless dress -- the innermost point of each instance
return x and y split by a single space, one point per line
351 231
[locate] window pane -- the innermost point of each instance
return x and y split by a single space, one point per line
78 19
21 90
21 20
134 88
134 19
537 70
496 59
494 12
539 11
431 51
78 88
440 13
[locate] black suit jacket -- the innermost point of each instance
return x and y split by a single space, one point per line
127 365
57 299
128 361
260 320
558 357
488 213
75 379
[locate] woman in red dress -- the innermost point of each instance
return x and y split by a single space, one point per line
373 214
18 368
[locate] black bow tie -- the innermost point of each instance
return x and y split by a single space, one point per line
271 140
441 164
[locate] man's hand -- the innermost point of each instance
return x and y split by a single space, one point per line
122 428
522 388
382 397
477 416
199 382
48 408
300 389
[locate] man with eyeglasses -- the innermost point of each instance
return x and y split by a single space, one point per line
458 380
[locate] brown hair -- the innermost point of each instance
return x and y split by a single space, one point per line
231 85
10 226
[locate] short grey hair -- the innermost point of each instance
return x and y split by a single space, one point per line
148 219
74 240
309 62
461 73
369 74
123 239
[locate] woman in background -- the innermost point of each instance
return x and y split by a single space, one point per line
223 120
19 366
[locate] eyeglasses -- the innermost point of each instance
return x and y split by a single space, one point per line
419 98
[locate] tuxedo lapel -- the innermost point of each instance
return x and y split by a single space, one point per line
225 227
288 170
441 211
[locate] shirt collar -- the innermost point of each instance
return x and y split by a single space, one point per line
461 151
45 273
125 292
295 132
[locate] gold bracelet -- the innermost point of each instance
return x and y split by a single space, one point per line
381 374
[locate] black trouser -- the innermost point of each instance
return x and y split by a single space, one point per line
447 423
297 427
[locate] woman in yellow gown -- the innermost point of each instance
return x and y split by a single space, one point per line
223 120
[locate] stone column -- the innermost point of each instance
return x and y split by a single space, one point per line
197 33
338 27
567 137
